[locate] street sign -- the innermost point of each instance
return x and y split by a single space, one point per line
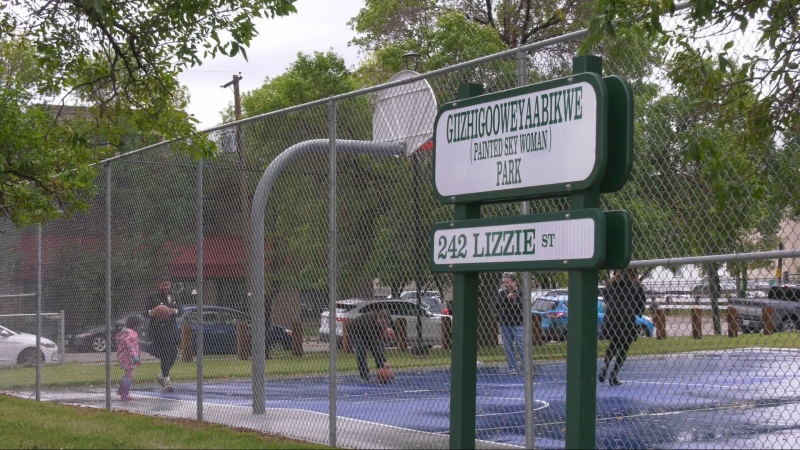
533 141
564 240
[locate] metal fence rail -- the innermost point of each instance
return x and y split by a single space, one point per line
308 218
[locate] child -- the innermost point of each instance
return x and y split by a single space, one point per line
128 354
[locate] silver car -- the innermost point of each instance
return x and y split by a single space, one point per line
398 308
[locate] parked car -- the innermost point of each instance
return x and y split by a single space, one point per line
20 348
412 295
554 313
93 338
349 309
785 302
219 332
431 300
432 303
219 329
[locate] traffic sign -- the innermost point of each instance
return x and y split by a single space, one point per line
572 239
533 141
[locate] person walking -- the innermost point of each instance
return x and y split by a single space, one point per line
508 304
163 332
367 333
128 355
625 299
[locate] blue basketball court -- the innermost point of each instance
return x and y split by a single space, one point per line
747 398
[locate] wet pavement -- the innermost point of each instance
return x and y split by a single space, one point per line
743 398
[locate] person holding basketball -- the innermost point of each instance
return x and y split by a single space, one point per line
368 332
163 329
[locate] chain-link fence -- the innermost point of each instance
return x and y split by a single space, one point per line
329 214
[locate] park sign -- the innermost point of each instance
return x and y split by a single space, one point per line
572 239
538 140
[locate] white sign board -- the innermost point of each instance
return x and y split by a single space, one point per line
530 241
530 141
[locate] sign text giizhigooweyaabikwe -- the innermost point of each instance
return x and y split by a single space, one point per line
519 138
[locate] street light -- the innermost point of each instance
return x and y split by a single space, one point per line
410 58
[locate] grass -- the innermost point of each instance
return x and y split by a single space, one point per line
30 424
316 363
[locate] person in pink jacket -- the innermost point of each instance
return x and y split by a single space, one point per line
128 355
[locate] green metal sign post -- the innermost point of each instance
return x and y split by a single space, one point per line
570 137
582 324
465 338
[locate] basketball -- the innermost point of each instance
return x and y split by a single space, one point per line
161 312
385 375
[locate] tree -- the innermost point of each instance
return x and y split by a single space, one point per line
300 231
771 65
119 58
712 195
308 78
44 163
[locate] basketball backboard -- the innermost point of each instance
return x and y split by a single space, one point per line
405 113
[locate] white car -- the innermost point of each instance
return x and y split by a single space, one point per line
397 308
20 348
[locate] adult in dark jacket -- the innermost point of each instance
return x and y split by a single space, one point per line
508 304
368 332
625 299
164 333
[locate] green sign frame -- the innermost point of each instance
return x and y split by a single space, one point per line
593 262
620 134
539 191
619 226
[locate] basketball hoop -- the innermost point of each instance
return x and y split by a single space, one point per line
405 113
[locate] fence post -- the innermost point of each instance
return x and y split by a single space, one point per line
333 273
447 333
697 322
346 337
733 324
242 340
536 329
62 336
198 347
108 283
660 322
400 334
766 317
187 343
297 338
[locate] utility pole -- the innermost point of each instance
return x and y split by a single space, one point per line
237 101
243 194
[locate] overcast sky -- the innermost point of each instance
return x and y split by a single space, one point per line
318 25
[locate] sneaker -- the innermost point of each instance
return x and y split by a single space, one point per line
168 385
126 398
161 381
512 371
